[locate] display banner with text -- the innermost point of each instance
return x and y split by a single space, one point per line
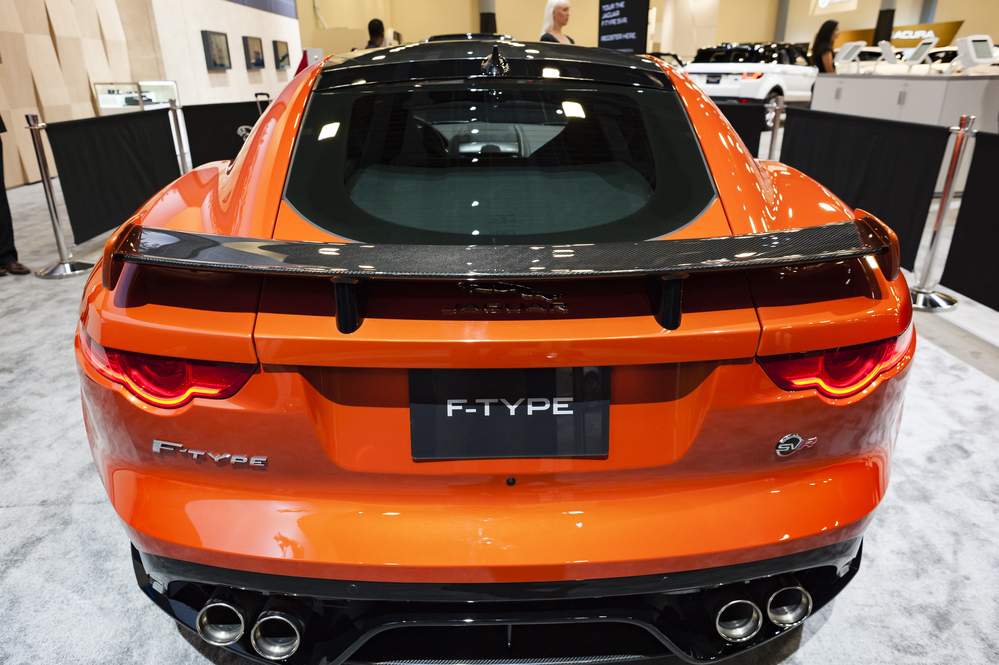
905 36
624 25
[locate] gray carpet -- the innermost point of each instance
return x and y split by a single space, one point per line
928 590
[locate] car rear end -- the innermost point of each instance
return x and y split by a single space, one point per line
503 384
733 73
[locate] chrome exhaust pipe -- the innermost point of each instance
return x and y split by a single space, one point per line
221 621
278 632
738 620
789 606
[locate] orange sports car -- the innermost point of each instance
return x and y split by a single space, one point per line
494 352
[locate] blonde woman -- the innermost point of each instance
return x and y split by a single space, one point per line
556 17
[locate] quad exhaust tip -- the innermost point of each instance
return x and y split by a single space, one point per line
789 607
220 622
739 620
276 635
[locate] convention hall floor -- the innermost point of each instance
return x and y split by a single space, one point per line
926 592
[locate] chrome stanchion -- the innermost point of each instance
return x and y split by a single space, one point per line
178 138
777 106
66 266
261 96
922 294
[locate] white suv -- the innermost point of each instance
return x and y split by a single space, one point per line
751 72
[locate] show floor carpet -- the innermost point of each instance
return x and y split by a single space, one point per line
927 592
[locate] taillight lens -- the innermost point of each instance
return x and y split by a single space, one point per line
752 75
163 381
838 372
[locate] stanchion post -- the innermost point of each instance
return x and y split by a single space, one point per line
257 97
178 139
922 294
65 266
778 108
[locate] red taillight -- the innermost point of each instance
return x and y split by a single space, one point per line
752 75
838 372
163 381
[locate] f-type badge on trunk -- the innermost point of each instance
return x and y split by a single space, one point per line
218 458
792 443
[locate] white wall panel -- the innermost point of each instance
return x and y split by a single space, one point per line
114 40
50 53
179 24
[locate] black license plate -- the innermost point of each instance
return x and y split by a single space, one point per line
714 78
496 413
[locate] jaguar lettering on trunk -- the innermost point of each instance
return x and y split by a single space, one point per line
549 302
507 308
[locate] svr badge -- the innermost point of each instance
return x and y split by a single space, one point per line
792 443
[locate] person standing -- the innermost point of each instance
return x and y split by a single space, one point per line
556 18
376 33
822 49
8 253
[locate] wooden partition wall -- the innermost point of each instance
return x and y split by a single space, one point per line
51 54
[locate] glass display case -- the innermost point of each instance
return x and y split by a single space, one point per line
157 94
115 98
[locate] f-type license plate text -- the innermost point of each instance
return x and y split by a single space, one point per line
494 413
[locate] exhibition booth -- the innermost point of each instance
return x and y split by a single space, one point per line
479 344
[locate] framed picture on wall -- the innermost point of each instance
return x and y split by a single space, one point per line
253 49
216 50
281 58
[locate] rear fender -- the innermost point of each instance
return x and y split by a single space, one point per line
241 197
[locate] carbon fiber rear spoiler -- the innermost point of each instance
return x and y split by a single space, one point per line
348 263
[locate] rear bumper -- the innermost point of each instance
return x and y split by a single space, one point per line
724 501
736 99
361 621
747 89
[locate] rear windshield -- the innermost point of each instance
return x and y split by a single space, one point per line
511 163
735 55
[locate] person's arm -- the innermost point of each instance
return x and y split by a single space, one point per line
827 63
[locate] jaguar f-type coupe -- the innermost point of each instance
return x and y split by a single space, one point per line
488 351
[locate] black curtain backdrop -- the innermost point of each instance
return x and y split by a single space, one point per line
886 167
972 268
748 121
109 166
213 129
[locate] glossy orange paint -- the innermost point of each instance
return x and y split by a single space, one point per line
757 196
200 316
241 197
692 480
827 305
